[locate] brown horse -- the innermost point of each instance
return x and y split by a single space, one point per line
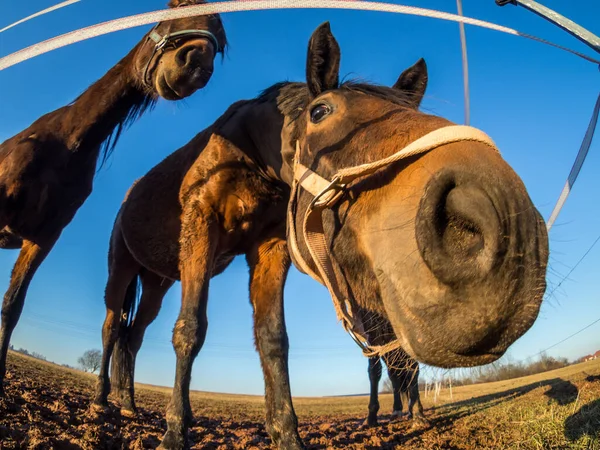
403 372
47 170
446 246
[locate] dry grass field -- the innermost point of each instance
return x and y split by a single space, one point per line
46 407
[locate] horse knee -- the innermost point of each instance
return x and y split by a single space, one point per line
10 311
188 335
110 328
270 342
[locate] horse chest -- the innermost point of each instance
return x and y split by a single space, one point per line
248 211
42 189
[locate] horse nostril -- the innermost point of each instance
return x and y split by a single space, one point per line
185 55
458 229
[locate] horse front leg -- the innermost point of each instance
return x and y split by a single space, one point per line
198 239
269 263
374 377
30 258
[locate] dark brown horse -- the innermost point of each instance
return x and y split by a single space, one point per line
403 372
47 170
446 247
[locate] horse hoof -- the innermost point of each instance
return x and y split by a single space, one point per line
127 412
173 441
370 423
98 408
293 443
420 422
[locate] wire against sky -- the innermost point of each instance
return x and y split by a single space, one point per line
465 64
583 151
39 13
575 266
565 339
253 5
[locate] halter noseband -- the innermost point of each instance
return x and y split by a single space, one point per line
325 195
162 41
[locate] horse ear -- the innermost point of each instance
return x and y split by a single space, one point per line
413 81
177 3
323 61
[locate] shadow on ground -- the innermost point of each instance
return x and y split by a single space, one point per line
562 392
586 421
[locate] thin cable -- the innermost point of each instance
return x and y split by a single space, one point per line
575 266
565 339
583 151
251 5
465 64
39 13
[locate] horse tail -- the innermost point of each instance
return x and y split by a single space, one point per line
122 363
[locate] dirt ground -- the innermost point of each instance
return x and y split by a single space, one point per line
47 407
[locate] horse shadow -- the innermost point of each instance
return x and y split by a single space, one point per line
561 391
585 421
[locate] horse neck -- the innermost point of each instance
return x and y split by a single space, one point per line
105 105
264 129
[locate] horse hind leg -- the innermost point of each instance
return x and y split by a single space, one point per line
414 398
395 362
120 296
131 335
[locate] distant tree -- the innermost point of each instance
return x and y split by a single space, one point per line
38 356
23 351
90 361
10 347
387 386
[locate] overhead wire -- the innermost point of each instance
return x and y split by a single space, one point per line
253 5
574 267
576 168
465 64
39 13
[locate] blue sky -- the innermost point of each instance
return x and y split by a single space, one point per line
533 100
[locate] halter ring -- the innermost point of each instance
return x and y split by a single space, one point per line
330 201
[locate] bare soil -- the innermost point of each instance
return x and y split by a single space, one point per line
47 407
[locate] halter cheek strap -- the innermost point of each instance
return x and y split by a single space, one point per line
161 41
325 195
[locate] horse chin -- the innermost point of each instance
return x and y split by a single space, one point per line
180 83
437 356
164 89
442 327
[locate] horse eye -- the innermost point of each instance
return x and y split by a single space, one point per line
319 112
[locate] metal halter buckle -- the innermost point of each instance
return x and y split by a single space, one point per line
339 190
355 338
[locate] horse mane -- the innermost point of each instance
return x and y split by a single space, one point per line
146 102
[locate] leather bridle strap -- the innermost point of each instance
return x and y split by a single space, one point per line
161 41
326 194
